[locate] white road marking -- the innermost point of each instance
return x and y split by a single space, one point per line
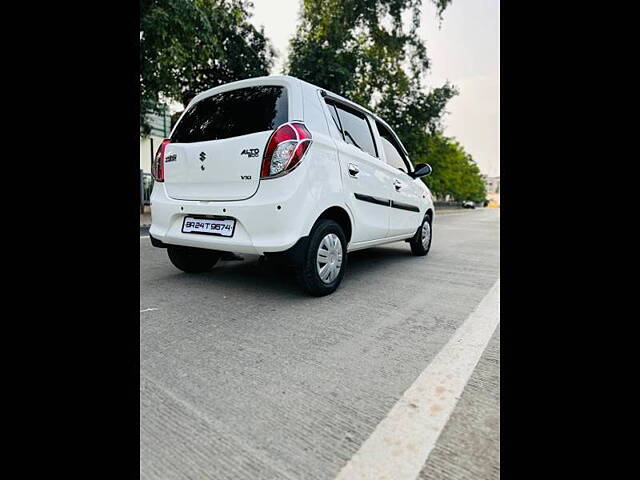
148 310
399 446
144 237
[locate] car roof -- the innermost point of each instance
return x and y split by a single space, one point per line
247 82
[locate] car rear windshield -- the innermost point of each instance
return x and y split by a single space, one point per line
233 113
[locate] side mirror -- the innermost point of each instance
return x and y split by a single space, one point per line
422 170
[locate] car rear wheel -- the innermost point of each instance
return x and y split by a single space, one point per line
192 260
421 241
325 259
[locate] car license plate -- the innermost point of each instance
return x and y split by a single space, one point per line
209 226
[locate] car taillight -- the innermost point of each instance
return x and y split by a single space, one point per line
157 166
285 149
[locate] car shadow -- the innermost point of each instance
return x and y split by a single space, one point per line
250 272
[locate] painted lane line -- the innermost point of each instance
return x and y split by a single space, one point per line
144 237
399 446
148 310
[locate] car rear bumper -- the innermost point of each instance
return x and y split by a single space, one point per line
273 220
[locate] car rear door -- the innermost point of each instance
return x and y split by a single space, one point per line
366 181
405 216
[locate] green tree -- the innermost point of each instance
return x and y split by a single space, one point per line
455 173
187 46
362 50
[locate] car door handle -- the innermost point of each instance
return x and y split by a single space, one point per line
398 184
353 170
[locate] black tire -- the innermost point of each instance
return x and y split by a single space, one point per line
418 247
192 260
307 271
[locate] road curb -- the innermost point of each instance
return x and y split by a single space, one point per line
451 210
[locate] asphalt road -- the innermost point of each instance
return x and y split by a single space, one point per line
244 376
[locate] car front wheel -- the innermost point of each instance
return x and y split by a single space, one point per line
421 241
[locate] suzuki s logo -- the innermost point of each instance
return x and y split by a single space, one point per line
202 156
250 152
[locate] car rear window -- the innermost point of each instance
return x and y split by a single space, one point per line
234 113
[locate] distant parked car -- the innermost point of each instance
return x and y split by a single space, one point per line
468 204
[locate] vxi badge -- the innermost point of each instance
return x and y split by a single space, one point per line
250 152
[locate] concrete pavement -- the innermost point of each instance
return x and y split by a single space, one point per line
469 446
243 376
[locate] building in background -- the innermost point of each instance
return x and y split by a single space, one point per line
492 185
160 129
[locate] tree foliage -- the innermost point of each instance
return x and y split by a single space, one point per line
187 46
364 51
455 173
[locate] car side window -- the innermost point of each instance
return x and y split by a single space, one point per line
354 127
392 150
393 157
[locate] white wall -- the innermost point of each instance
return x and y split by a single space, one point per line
145 151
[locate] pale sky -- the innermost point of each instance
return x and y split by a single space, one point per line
465 50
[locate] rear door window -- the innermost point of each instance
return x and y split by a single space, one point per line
334 117
234 113
354 127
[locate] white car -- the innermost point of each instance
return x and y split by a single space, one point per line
275 166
